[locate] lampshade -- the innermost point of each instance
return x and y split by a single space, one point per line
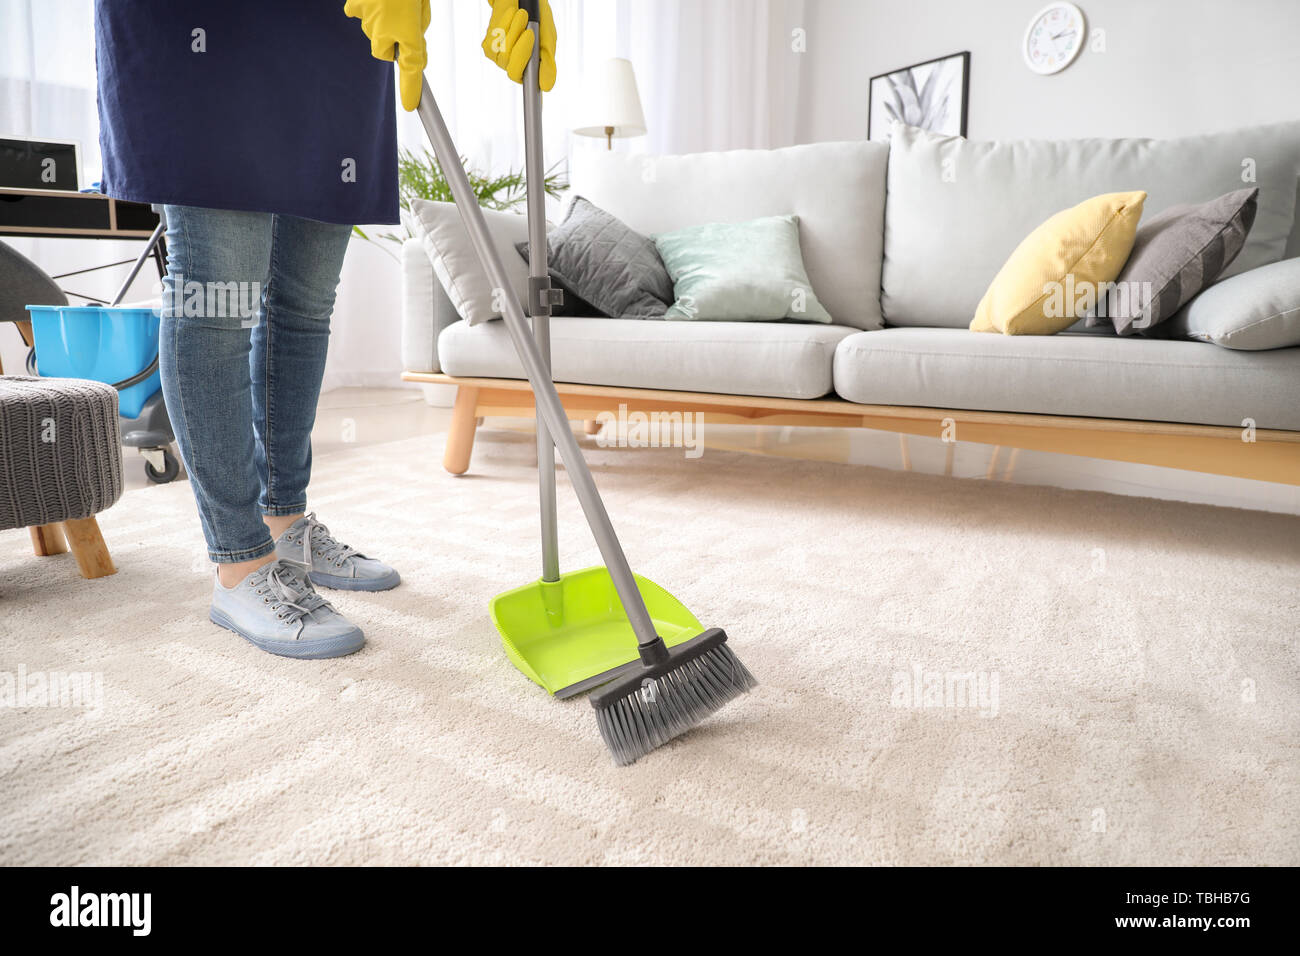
612 103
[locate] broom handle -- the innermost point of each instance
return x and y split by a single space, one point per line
549 406
539 288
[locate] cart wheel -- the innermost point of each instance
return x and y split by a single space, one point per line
171 468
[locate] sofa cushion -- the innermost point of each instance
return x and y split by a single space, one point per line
957 208
748 271
1097 376
1259 309
1176 254
776 359
456 264
598 258
836 189
1086 245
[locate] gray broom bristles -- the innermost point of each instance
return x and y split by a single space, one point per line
656 709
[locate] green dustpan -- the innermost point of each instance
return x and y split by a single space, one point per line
572 632
571 635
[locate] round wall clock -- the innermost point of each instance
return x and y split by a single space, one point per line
1054 38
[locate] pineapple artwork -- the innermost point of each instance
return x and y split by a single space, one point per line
931 95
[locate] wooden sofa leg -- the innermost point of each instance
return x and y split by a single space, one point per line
993 463
47 539
460 437
1011 465
88 547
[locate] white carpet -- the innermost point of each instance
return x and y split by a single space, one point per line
1143 655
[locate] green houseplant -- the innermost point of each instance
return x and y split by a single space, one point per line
420 177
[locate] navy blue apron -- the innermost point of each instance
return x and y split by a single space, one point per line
264 105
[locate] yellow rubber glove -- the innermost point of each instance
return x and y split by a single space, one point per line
396 31
509 41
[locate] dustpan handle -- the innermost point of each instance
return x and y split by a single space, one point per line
549 406
539 296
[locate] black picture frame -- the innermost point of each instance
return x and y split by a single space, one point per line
964 56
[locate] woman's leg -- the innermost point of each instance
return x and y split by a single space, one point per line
288 362
288 359
217 263
214 296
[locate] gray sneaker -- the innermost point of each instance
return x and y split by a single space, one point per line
277 609
332 564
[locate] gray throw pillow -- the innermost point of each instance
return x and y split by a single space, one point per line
1177 253
602 261
1258 309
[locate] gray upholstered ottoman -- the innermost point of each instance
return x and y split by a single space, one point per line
60 464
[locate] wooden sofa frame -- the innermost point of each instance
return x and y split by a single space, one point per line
1261 454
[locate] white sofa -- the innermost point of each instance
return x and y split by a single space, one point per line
900 242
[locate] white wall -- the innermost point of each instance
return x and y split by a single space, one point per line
1170 67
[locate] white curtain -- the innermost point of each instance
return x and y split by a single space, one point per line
47 74
713 74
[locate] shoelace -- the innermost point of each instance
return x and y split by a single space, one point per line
316 537
288 593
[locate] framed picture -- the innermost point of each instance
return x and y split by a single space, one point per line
932 95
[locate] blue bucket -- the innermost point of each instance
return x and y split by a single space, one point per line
101 343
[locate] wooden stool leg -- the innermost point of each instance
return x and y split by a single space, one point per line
88 547
47 539
460 437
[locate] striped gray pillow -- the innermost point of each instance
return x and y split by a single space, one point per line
1177 253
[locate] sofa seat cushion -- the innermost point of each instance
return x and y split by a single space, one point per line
1097 376
775 359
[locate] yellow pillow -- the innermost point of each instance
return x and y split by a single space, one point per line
1091 241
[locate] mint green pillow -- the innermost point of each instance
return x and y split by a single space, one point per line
744 271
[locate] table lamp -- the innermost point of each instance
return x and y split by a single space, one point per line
613 106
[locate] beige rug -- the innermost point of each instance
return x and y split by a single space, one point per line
952 672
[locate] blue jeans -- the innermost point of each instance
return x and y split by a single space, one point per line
245 328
